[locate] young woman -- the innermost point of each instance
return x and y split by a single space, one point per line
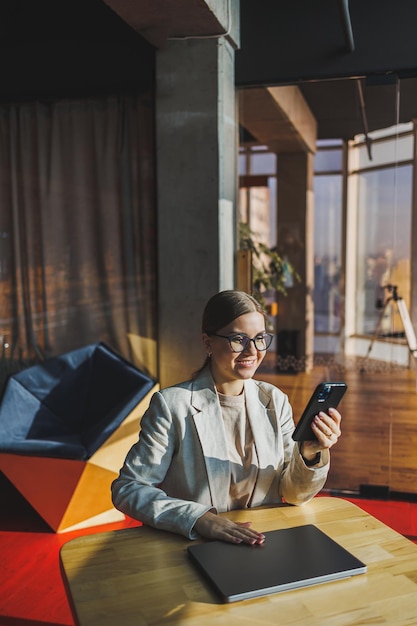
222 440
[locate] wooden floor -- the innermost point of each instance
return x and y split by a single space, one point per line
378 447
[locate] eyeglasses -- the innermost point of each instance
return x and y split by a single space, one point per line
240 343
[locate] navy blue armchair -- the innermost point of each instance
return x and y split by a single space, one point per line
65 427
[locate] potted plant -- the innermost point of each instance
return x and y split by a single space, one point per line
270 272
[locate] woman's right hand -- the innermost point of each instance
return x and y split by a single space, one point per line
212 526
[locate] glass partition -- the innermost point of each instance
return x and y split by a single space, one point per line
384 204
351 214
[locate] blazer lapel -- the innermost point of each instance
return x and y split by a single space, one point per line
210 429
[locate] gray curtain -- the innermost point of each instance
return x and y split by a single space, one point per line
77 228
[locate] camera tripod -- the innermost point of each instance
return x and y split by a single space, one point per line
405 319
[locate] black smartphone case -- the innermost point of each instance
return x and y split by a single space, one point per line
326 395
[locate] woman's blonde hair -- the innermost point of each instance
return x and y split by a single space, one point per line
226 306
223 308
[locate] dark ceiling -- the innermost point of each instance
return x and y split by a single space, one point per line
292 40
341 111
54 48
312 43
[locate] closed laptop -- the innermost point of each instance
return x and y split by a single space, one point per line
290 558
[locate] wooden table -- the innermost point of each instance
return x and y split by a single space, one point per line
141 576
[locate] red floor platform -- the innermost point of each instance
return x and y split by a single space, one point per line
31 588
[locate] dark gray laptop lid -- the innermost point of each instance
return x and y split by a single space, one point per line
290 558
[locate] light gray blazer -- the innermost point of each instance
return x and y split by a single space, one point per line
179 468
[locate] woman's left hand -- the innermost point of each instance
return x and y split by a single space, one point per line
326 427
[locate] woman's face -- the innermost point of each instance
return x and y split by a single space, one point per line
228 366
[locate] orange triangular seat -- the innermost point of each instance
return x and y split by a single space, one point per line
47 484
65 428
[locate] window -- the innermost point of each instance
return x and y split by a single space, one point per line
257 198
384 198
328 237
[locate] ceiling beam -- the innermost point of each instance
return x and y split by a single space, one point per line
159 20
278 117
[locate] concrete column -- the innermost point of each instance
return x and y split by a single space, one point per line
296 243
196 138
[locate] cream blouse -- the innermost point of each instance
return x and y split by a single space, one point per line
242 451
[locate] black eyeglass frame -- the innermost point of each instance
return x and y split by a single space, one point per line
267 337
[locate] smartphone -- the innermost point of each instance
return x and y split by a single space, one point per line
325 396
